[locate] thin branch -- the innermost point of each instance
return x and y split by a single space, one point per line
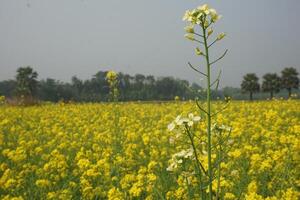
199 41
208 26
198 34
192 90
213 82
191 66
199 164
217 80
223 140
217 86
222 109
196 136
219 57
201 107
209 182
212 43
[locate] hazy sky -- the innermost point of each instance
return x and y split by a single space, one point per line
62 38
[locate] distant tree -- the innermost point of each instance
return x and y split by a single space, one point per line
166 88
77 86
150 80
26 82
139 80
149 88
250 84
65 92
48 90
289 79
95 89
271 83
7 87
231 92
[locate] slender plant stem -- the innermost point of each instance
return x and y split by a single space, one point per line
187 183
210 195
200 166
219 171
198 163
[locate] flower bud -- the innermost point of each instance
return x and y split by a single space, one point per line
189 36
206 24
189 29
210 31
221 36
198 51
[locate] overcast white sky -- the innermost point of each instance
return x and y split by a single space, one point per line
62 38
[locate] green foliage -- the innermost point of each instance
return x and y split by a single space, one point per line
26 82
131 88
289 79
250 84
7 87
271 83
53 90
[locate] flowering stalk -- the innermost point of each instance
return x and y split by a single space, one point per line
204 16
201 148
112 79
208 101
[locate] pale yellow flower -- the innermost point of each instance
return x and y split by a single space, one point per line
210 31
189 36
189 29
221 36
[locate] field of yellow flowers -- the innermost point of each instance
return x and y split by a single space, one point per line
123 150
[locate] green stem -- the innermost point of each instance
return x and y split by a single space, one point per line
208 114
187 183
219 172
199 166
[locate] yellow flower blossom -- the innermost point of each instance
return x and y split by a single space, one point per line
67 151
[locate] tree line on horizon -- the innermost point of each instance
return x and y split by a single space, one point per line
271 83
96 89
137 87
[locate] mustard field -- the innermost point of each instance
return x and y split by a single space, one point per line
123 150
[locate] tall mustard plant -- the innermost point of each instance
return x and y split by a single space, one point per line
205 152
112 79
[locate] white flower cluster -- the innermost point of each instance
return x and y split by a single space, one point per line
179 121
201 13
178 158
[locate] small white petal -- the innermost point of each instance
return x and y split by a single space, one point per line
197 118
171 126
179 122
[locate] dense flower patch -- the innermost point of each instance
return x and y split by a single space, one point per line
124 151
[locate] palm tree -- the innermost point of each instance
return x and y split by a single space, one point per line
250 84
26 82
271 83
289 79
